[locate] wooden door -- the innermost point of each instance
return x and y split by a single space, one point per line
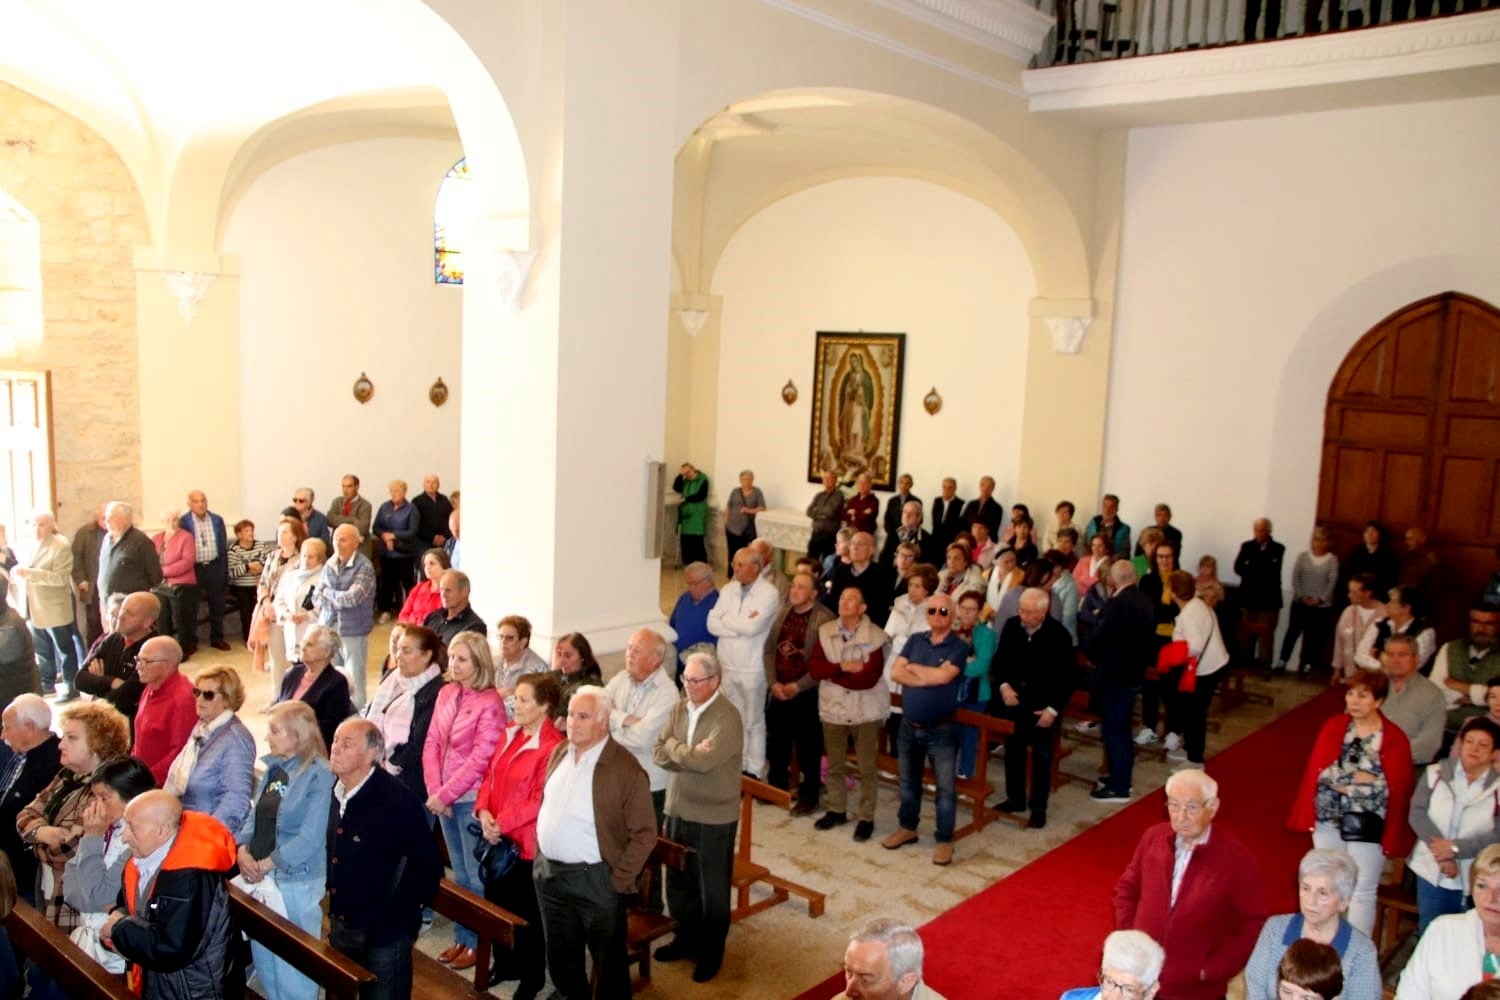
1412 437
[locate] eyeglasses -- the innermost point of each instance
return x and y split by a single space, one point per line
1189 808
940 612
509 638
1126 990
140 660
205 695
695 681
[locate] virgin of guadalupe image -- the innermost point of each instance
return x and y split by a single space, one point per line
856 405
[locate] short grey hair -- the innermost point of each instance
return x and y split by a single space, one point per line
903 947
1122 573
752 555
1036 595
747 472
1402 639
121 506
325 636
1335 865
706 659
31 709
1193 780
593 692
696 571
1135 953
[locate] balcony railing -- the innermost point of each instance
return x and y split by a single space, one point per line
1091 30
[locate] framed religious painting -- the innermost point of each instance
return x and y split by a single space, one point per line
856 411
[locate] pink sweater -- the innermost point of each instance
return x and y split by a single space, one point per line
177 557
465 729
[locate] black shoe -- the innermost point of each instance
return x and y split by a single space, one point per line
829 820
220 645
864 830
1109 795
707 969
1038 819
501 973
1011 806
805 808
528 991
674 952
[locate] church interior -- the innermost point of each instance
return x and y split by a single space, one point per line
1136 276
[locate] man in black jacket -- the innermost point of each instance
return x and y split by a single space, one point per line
947 514
985 508
1259 596
128 563
111 674
31 762
1120 648
1034 670
383 864
897 503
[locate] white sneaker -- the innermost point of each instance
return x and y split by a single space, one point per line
1177 756
1173 742
1086 727
1145 737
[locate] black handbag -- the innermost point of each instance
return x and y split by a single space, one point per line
1361 827
495 860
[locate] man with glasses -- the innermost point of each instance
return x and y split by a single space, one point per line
689 617
884 962
700 749
930 670
312 519
1194 889
165 718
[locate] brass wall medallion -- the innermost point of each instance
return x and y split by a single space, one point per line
363 388
438 394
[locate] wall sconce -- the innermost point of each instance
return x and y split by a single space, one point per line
789 393
693 320
188 288
512 269
932 402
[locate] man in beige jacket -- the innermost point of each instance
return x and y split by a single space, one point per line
48 579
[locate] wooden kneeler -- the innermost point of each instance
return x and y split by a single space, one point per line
748 872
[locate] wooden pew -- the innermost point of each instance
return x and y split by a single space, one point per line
747 872
495 928
973 790
643 928
62 960
312 956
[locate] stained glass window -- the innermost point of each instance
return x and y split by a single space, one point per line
452 218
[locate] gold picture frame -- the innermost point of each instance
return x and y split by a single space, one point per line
856 411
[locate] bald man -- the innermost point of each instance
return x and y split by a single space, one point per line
172 919
1259 567
166 715
111 674
1034 665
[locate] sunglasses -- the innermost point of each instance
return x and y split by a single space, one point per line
940 612
205 695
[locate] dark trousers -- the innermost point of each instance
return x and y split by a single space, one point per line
93 622
733 543
656 898
517 893
1195 714
693 549
182 600
794 725
213 580
1252 16
1257 635
581 910
244 606
394 582
1116 705
1029 736
698 896
390 961
821 544
1315 626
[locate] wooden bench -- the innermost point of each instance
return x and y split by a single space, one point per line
748 872
312 956
642 927
972 791
493 926
63 961
1394 902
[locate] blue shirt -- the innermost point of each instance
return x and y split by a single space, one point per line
690 620
926 705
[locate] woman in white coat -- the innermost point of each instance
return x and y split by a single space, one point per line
1450 957
1197 626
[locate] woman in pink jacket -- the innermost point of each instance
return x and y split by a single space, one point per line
465 729
509 801
179 575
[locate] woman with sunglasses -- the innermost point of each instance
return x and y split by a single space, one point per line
214 772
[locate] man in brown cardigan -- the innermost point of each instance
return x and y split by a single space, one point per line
792 712
700 749
595 830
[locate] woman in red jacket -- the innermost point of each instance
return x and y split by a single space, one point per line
509 799
1356 790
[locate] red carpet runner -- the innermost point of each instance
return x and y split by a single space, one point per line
1038 932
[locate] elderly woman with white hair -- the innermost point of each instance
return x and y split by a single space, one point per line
313 681
884 962
1325 885
1130 969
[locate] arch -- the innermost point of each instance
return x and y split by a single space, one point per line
20 279
1412 437
452 211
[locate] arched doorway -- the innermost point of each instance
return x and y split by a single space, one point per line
1411 437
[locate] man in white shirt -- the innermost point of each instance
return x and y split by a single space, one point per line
640 698
740 620
594 833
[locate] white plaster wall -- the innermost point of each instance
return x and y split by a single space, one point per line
1255 254
336 279
886 255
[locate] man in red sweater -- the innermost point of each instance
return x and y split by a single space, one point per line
1195 890
165 718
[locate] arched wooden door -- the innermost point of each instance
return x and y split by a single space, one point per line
1412 437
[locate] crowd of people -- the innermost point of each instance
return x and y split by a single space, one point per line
130 811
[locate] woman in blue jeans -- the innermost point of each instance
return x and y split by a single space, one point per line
466 725
283 853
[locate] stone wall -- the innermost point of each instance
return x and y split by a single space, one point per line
91 220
